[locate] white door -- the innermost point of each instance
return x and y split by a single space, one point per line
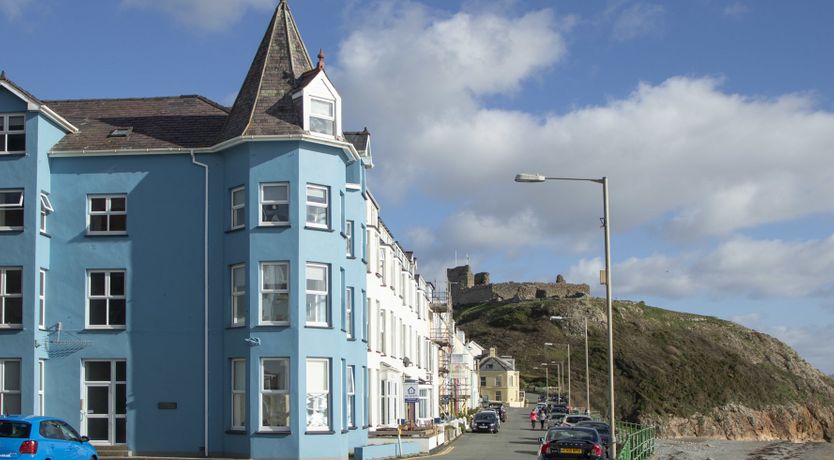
104 402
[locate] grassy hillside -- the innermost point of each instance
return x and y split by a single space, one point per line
666 363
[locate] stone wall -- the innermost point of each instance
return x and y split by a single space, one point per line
468 289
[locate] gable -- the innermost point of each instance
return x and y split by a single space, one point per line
10 102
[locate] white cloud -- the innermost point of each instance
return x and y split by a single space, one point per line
210 15
736 9
12 9
737 267
638 19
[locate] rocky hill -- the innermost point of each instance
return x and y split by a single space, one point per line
691 375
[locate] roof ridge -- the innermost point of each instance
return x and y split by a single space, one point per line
91 99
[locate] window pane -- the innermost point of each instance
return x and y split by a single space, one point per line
13 281
9 199
121 371
275 213
16 123
11 218
97 283
11 404
121 398
97 429
11 375
317 375
97 371
316 278
238 217
98 312
238 279
14 311
2 120
118 223
117 283
317 215
317 195
238 409
118 312
237 197
239 375
318 107
275 307
121 431
275 410
275 374
118 204
275 276
316 308
98 223
275 192
98 204
17 143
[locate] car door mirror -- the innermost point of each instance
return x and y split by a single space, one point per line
84 439
541 440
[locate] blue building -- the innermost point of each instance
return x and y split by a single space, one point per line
182 278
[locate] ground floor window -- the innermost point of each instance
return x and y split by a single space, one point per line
275 394
41 386
388 401
318 394
423 406
238 394
10 386
498 396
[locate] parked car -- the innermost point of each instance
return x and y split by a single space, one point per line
574 419
571 443
555 419
557 407
39 438
602 428
500 410
486 421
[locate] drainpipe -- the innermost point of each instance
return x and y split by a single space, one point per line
205 306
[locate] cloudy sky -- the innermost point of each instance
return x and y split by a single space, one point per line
714 122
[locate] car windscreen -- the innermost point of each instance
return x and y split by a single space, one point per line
572 435
575 419
484 417
12 429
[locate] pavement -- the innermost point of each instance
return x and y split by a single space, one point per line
514 440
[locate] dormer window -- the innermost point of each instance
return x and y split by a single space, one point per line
322 116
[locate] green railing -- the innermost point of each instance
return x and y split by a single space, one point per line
638 441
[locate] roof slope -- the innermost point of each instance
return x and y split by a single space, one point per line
264 104
157 123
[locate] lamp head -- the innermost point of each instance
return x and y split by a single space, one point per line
523 177
556 318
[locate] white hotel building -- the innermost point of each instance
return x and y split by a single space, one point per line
401 355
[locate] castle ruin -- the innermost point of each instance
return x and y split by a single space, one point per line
468 288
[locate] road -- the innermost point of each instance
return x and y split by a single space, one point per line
514 440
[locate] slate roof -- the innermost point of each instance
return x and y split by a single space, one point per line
501 362
264 105
157 123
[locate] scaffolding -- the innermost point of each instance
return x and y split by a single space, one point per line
454 385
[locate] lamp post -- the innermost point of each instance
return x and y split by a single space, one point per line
607 227
550 344
546 380
587 367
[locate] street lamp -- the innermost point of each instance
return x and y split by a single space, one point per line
568 371
524 178
587 369
546 380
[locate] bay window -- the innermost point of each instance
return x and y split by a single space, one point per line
238 394
317 295
318 394
238 295
275 293
275 204
275 394
318 204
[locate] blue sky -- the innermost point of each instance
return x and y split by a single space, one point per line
713 120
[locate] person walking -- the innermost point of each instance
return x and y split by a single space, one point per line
533 419
542 417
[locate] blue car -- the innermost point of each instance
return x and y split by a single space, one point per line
42 438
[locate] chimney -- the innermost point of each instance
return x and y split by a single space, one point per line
492 352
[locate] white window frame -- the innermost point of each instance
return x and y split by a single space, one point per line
281 391
41 387
7 207
349 249
5 388
328 118
349 307
107 296
313 204
351 396
5 132
42 299
317 321
238 297
238 394
382 345
5 296
46 209
263 202
108 212
325 393
262 291
234 207
423 403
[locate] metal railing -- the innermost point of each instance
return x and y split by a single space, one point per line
639 441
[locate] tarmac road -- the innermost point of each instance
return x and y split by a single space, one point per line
514 440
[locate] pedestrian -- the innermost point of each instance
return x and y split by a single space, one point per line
533 419
542 417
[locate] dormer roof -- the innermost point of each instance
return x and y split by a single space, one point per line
264 105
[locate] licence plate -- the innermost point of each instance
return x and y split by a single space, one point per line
569 450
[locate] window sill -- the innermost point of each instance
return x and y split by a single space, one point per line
237 432
344 431
317 433
89 328
265 325
235 230
105 235
365 261
11 230
11 327
320 229
352 428
46 235
274 225
351 257
318 326
273 433
13 153
236 326
351 339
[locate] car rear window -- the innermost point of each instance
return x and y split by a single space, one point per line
572 435
575 419
10 429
